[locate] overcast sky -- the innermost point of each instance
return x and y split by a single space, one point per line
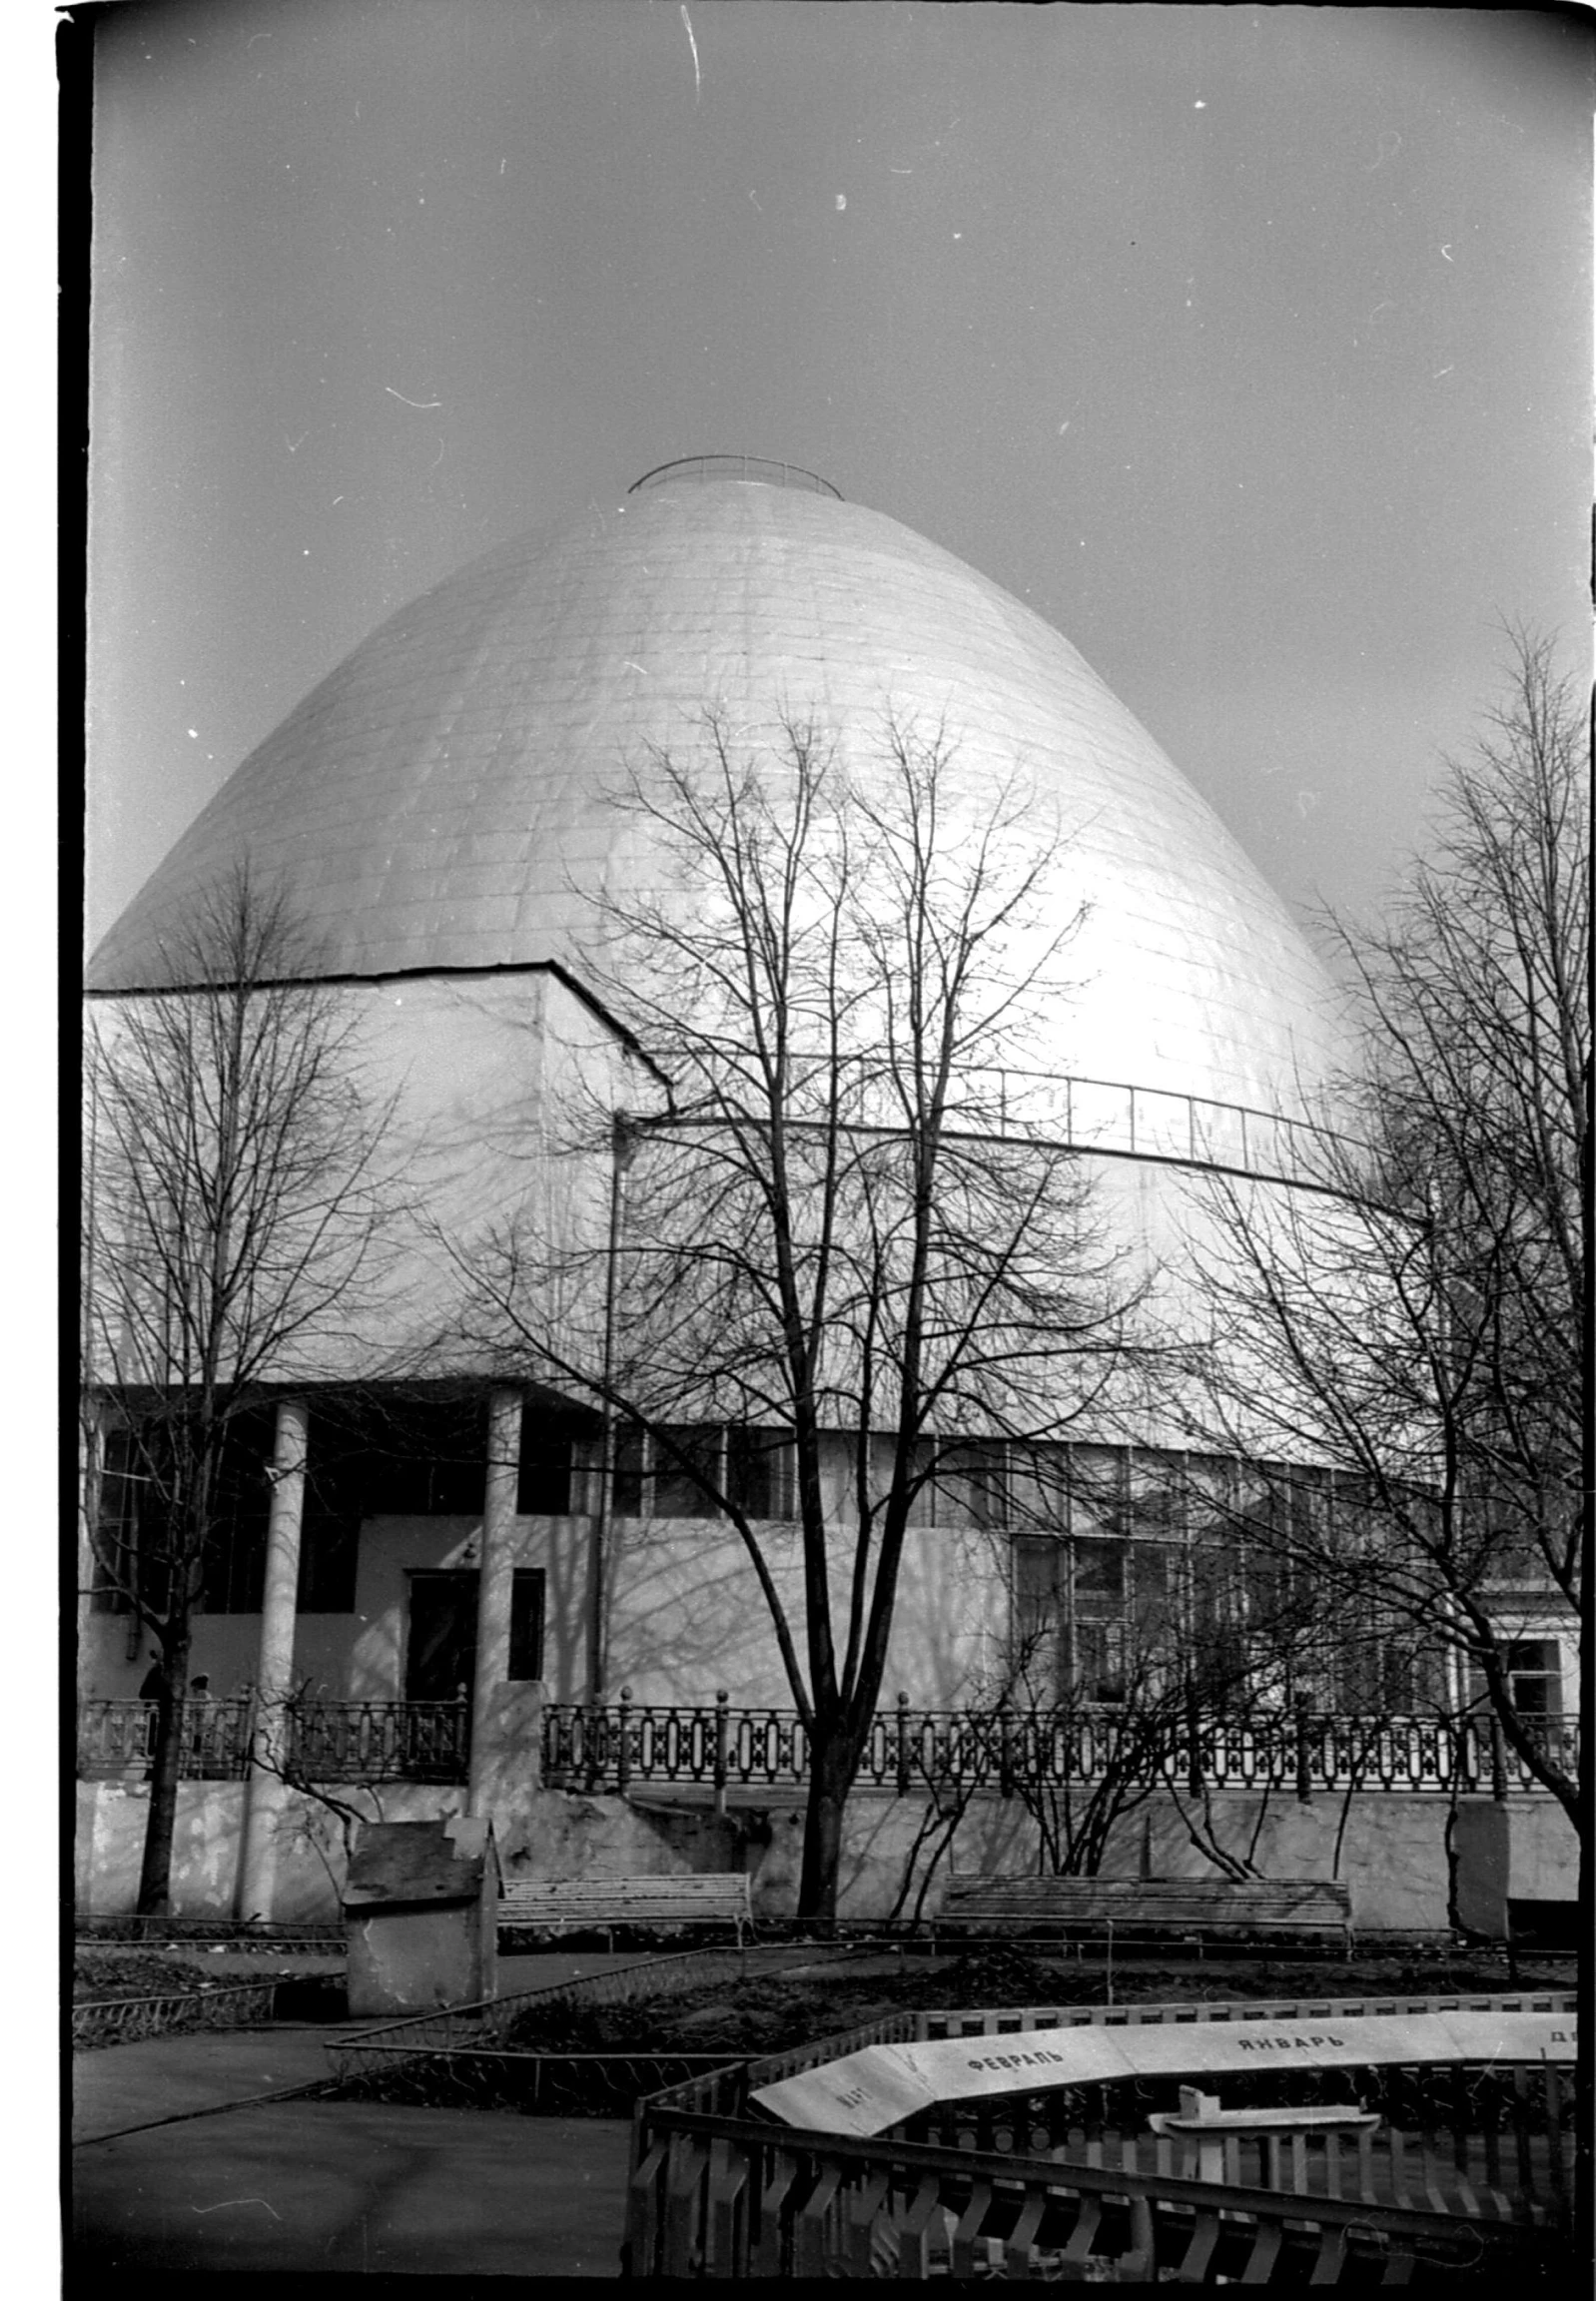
1250 346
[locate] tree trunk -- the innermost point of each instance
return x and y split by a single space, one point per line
155 1875
831 1772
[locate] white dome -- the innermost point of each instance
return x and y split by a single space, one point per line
438 802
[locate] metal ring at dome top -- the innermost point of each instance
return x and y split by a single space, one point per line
759 469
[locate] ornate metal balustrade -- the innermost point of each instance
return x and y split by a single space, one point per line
382 1741
327 1741
117 1738
627 1745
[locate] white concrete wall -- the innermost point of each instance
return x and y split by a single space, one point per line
1392 1853
688 1616
480 1073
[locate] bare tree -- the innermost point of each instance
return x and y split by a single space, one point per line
237 1193
853 1240
1418 1329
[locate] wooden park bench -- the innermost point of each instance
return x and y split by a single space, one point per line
563 1905
1050 1908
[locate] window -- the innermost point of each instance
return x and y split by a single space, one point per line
117 1559
972 1486
759 1471
329 1545
1036 1569
655 1476
1071 1608
1099 1493
136 1502
235 1553
1534 1675
687 1460
1100 1661
626 1484
1036 1488
1100 1574
330 1533
526 1623
554 1448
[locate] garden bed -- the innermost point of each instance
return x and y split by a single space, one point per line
187 1988
765 2015
568 2054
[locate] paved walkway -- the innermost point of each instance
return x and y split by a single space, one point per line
187 2158
357 2187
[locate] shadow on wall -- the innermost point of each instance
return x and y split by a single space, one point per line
685 1616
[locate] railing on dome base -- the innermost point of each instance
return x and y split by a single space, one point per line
1472 2176
761 467
625 1745
327 1741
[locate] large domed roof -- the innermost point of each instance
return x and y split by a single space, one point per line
440 800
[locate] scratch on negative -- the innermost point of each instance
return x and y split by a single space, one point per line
698 85
226 2201
411 402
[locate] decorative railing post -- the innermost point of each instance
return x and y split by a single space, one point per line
624 1745
1304 1785
722 1698
903 1744
1005 1754
592 1737
1193 1749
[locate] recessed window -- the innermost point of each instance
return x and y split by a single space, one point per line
555 1447
527 1622
143 1486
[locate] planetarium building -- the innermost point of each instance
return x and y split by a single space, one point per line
471 1558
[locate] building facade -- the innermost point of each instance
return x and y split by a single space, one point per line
412 1535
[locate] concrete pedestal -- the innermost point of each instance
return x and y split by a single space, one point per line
422 1912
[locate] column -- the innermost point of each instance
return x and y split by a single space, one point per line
491 1699
264 1792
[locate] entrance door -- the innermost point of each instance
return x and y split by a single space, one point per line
441 1658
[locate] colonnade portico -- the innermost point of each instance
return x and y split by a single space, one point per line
266 1791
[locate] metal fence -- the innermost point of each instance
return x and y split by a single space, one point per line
327 1741
1472 2175
223 2006
624 1744
382 1741
119 1738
